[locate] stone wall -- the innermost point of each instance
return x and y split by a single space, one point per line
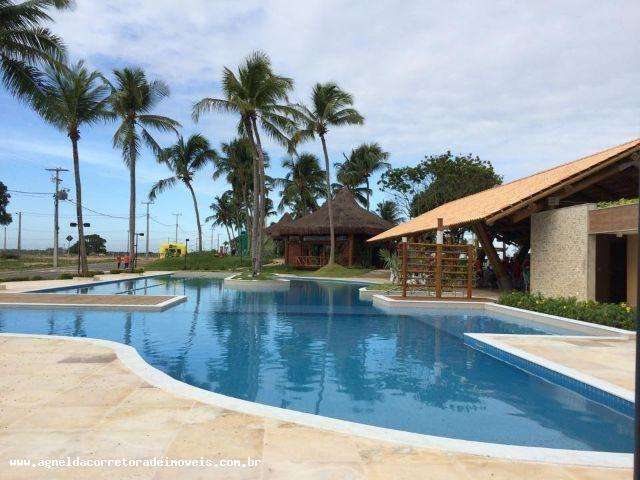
563 253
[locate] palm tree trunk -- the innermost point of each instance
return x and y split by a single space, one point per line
368 193
195 206
332 252
263 192
132 204
255 254
82 252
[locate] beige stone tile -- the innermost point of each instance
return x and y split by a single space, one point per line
418 471
229 436
154 397
590 473
54 417
88 396
134 417
283 470
291 442
209 473
489 469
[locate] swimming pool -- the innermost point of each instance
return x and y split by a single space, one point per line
318 349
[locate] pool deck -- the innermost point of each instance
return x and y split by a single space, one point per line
610 360
75 397
33 294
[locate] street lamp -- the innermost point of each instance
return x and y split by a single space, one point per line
135 255
186 251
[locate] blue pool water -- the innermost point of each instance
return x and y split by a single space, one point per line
317 348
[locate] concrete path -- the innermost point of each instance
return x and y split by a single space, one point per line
64 398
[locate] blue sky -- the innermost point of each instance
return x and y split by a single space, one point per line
526 85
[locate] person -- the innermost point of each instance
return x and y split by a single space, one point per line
127 259
118 261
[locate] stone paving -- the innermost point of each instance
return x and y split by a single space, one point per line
63 398
609 360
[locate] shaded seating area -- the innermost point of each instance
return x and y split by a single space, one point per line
306 240
551 222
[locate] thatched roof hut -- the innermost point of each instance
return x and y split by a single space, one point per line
285 219
348 218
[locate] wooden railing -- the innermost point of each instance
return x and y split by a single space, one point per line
439 269
309 261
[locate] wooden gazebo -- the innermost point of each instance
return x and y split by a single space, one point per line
307 241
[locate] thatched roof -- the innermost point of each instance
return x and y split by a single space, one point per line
490 204
348 217
286 219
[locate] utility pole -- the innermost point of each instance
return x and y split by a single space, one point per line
212 238
147 239
177 216
56 202
19 233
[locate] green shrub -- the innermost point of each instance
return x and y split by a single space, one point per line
610 314
115 270
137 270
23 278
65 276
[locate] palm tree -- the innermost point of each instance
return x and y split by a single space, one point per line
26 44
302 185
260 98
72 97
330 106
222 212
184 159
348 177
236 164
133 96
388 210
364 161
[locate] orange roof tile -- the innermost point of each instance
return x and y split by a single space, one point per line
485 204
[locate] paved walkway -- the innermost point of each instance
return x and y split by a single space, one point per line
63 398
31 285
612 361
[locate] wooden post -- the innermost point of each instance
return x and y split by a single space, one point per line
404 266
470 261
350 255
438 270
438 273
487 244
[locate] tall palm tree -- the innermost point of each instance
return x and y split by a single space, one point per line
72 97
302 185
259 96
348 177
132 99
184 159
25 44
222 212
388 210
330 106
364 161
236 163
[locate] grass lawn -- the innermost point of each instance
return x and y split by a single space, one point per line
336 271
34 262
205 261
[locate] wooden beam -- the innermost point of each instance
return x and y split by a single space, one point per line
350 247
487 245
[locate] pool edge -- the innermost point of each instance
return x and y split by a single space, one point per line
131 359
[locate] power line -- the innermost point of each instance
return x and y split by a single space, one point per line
102 213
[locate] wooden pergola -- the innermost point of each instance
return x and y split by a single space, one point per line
504 212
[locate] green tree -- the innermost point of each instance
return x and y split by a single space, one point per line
362 162
436 180
73 97
95 245
302 184
330 106
184 159
5 217
388 210
132 99
222 212
259 97
26 44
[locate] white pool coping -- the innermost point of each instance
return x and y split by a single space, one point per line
277 284
158 307
132 360
493 339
